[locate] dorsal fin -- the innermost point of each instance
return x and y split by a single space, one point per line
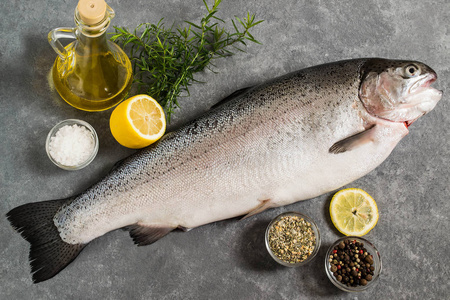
231 96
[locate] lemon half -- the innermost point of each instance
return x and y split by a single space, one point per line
138 122
353 212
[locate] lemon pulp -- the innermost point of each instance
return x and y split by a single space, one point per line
353 212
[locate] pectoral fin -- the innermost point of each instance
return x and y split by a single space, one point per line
265 204
353 141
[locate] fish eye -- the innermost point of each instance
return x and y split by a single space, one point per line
411 70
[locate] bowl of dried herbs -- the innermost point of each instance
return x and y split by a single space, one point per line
292 239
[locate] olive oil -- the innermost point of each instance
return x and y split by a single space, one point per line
96 82
91 73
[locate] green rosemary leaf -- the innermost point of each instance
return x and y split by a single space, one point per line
206 5
235 27
193 25
122 30
115 37
130 40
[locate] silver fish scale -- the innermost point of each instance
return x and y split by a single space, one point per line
254 148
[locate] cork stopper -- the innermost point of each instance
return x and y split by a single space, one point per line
92 11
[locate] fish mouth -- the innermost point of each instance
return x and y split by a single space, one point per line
423 85
424 82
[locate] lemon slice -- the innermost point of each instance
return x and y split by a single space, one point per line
353 212
138 122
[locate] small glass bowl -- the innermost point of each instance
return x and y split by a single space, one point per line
376 263
316 233
70 122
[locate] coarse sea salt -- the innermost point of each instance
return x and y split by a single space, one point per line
72 145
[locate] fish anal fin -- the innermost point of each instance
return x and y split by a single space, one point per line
265 204
147 234
49 254
353 141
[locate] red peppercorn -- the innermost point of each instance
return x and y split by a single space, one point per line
360 251
339 267
335 251
357 270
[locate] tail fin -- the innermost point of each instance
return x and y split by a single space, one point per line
49 254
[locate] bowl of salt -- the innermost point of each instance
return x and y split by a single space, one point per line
72 144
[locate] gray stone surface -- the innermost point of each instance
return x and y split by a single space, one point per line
227 260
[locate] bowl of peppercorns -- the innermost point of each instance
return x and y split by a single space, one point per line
353 264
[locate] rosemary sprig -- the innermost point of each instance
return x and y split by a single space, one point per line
165 60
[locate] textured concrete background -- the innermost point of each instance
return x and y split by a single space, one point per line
227 260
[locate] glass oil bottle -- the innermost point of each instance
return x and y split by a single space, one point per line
91 73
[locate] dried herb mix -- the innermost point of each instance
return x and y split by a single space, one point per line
292 239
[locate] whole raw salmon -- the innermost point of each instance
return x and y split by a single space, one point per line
293 138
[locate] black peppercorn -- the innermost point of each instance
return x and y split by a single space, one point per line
369 259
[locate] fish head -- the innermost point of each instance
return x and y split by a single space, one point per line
398 91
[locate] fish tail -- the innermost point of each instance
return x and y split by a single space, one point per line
49 254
